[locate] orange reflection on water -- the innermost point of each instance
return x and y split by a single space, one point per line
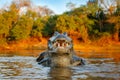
114 55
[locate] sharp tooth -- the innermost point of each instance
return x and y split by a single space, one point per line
66 44
62 44
58 44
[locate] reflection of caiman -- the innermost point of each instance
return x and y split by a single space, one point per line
60 52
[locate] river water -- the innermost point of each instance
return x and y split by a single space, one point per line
22 65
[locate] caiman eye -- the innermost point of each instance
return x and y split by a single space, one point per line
63 40
58 40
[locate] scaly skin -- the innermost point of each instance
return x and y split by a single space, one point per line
60 52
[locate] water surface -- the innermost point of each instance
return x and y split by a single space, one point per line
22 65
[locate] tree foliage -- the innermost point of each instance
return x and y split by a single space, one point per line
86 22
49 27
22 28
37 28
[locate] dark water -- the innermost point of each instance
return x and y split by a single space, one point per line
22 65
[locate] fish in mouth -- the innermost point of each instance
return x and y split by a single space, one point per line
60 52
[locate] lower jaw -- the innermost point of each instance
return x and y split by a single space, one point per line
62 50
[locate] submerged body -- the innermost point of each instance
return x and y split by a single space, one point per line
60 52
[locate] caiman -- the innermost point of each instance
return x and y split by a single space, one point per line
60 52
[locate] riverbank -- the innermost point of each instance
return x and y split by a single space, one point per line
97 48
41 44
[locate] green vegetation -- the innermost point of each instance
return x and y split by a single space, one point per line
85 23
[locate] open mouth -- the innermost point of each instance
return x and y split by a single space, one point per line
61 46
61 43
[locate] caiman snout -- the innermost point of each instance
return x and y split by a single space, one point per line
61 46
61 43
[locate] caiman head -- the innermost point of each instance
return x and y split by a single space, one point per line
60 49
60 52
60 43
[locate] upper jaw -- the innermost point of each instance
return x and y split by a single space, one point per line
60 46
